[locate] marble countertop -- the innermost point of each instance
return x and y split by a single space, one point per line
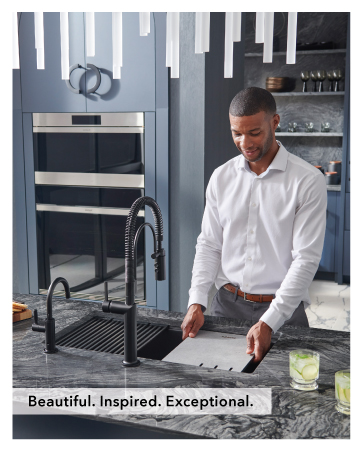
295 414
333 188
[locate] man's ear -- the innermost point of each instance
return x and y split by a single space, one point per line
275 120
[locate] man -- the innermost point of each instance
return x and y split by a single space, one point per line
262 231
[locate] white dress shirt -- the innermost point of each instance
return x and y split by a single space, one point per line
263 233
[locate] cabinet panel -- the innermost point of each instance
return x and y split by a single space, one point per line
347 213
135 91
346 254
44 90
327 263
348 176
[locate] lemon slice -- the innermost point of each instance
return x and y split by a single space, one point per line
309 372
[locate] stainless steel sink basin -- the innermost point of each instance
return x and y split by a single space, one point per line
160 342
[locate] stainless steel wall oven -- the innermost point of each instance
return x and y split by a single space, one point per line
89 169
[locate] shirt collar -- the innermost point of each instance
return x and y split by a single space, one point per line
279 162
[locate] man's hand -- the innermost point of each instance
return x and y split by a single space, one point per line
192 322
258 340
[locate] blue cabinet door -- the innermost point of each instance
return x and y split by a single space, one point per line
43 90
327 263
346 254
135 91
347 212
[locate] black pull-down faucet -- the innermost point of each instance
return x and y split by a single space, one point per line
49 325
129 309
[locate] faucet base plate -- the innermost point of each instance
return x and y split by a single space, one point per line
131 364
47 351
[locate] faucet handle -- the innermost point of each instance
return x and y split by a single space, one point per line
36 326
106 291
160 264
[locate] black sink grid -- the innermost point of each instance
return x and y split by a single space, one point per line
107 335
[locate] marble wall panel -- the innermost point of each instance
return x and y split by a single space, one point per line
312 27
315 150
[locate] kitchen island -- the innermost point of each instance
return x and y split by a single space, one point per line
295 414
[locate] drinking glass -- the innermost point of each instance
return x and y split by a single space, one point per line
309 127
330 77
321 74
304 369
304 75
343 391
337 73
325 127
292 127
314 77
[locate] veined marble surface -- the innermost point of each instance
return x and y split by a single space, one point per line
330 308
295 414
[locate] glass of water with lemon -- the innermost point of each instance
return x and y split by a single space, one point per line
304 369
343 391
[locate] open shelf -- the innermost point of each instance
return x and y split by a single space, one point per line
309 134
308 93
299 52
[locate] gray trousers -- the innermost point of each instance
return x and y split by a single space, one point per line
224 305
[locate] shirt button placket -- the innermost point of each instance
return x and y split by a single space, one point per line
251 237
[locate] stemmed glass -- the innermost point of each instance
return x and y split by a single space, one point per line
321 74
337 77
314 77
330 77
304 75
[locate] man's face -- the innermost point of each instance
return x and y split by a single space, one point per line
254 135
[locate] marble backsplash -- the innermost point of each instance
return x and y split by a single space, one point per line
312 27
316 151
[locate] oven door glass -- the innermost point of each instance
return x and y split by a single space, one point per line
93 152
81 237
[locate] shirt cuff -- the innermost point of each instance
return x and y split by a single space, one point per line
198 298
274 319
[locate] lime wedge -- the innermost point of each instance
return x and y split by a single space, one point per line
347 393
342 395
303 356
309 372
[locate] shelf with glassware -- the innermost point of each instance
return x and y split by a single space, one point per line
299 52
309 134
309 93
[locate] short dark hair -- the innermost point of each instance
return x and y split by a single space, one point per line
251 101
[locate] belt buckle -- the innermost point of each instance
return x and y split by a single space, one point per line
246 298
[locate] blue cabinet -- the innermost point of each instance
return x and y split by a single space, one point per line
135 91
332 257
328 260
346 254
347 210
43 90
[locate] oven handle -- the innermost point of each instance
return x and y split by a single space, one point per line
85 210
90 129
89 179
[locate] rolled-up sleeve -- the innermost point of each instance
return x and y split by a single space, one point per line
308 238
208 249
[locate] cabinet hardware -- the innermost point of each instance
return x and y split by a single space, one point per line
98 75
67 82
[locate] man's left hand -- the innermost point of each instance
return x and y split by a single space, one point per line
258 340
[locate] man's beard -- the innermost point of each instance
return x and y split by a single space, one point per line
268 143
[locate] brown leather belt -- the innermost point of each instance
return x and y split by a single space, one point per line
251 297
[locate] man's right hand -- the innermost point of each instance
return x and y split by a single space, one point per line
192 322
